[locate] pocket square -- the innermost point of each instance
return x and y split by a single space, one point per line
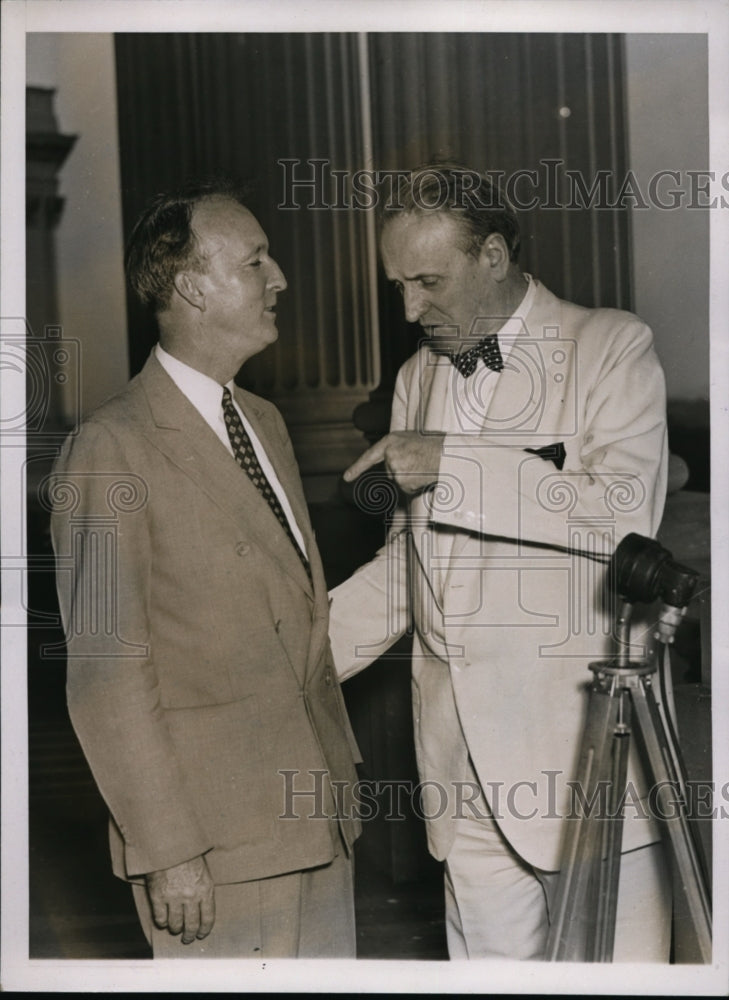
550 453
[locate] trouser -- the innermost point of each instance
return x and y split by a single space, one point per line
303 914
497 906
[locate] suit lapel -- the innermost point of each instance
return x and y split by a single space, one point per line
180 432
521 396
514 414
288 476
432 395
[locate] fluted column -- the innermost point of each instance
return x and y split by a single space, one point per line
46 151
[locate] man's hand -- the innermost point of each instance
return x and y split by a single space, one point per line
412 459
183 899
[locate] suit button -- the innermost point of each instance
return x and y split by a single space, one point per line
242 549
328 677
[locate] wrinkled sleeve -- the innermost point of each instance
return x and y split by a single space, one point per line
101 537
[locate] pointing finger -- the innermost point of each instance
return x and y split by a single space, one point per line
373 456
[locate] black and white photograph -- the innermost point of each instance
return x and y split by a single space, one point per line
363 437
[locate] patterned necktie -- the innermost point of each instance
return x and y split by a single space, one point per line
488 349
247 459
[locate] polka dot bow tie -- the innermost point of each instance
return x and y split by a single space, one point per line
488 349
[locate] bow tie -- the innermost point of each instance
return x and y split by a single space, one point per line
488 349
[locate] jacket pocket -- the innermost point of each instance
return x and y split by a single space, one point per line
219 752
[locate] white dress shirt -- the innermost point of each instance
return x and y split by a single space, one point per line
472 395
206 395
458 405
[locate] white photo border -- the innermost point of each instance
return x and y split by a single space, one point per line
624 16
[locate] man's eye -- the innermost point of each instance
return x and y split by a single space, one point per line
256 263
428 282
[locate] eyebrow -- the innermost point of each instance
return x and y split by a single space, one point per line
262 247
419 276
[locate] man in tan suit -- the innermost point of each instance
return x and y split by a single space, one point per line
202 691
528 436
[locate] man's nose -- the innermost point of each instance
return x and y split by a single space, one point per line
414 303
276 279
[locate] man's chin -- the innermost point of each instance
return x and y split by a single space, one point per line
443 339
440 345
263 339
271 329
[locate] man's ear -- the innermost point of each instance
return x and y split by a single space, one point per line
495 254
188 286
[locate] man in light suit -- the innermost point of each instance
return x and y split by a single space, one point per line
528 435
200 680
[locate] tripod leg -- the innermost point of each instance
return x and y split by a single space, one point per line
673 813
613 839
573 925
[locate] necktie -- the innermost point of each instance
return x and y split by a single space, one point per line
488 349
247 459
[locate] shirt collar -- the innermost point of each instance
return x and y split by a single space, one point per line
205 394
513 325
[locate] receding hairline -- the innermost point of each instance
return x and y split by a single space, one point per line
206 206
444 213
209 201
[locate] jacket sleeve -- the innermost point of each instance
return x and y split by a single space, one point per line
101 536
614 477
370 611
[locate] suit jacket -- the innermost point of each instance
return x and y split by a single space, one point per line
506 623
199 668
